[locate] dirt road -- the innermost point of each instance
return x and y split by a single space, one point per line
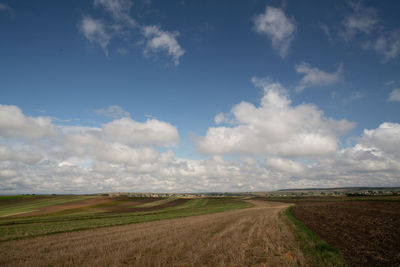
256 236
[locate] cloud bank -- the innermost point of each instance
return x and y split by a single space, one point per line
269 145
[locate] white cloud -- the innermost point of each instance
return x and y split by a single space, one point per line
95 32
385 138
275 128
159 40
315 77
387 45
395 95
119 10
360 20
365 21
224 118
123 155
278 27
14 124
115 112
124 27
353 96
7 173
28 157
152 132
285 165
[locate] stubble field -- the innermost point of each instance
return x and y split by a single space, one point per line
255 236
209 231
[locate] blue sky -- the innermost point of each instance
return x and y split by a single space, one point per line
201 70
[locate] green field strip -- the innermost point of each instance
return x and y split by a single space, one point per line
12 197
37 228
36 205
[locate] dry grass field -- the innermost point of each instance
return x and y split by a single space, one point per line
256 236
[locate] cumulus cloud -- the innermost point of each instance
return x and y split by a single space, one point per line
281 146
119 141
94 30
374 160
115 112
275 25
315 77
285 165
275 127
159 40
28 157
152 132
387 45
385 138
395 95
14 124
360 20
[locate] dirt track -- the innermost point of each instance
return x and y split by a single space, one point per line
256 236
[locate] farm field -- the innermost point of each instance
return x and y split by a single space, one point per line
96 212
213 231
24 205
257 235
367 233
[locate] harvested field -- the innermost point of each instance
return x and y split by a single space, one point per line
256 236
67 206
366 232
14 206
148 206
43 205
112 213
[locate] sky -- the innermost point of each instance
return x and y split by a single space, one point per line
198 96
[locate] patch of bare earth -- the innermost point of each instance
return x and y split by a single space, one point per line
366 232
256 236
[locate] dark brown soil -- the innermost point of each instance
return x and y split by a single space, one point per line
366 232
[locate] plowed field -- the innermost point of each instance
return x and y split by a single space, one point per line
366 232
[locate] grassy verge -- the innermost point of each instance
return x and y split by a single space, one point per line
316 251
51 224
